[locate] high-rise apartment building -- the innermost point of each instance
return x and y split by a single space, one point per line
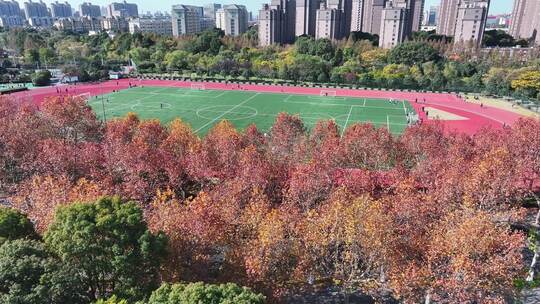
357 15
395 23
526 20
186 19
35 9
10 14
333 19
277 22
372 16
328 21
232 19
416 9
471 21
37 14
366 15
306 14
61 10
123 10
446 23
465 20
270 25
87 9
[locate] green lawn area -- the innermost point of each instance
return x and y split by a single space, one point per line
203 108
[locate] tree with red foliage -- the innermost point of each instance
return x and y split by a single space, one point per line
525 142
218 156
365 146
70 119
287 138
21 128
309 185
472 260
177 149
41 196
134 158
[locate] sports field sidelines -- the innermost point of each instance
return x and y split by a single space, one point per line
203 108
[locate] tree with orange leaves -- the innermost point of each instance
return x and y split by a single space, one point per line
41 196
217 158
365 146
473 260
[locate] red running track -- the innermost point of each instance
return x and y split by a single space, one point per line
476 116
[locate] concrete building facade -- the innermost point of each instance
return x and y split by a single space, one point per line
80 25
416 8
10 14
394 23
471 21
115 24
87 9
333 20
357 15
306 14
123 10
61 10
35 9
159 26
328 22
277 22
526 20
446 22
232 19
186 20
371 21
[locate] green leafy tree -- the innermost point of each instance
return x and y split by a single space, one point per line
31 56
15 225
413 52
47 55
30 275
112 300
205 293
41 78
109 243
498 38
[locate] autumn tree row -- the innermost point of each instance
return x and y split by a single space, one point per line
427 215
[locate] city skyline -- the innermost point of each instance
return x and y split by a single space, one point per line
497 6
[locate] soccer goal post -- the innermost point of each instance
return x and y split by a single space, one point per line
197 86
328 93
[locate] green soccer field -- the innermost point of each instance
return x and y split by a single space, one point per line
204 108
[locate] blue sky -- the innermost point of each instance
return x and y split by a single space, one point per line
497 6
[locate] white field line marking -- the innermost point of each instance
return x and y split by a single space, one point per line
227 112
388 123
364 102
404 108
346 122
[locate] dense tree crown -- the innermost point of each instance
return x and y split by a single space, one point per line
109 244
14 225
